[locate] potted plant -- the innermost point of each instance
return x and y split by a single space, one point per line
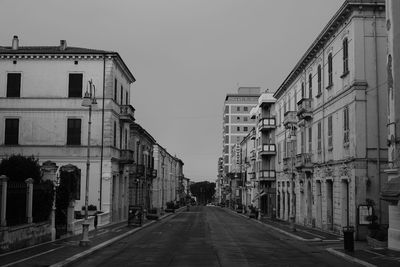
170 207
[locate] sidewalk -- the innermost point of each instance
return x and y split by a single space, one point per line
363 254
62 252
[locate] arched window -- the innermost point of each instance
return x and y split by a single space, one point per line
310 85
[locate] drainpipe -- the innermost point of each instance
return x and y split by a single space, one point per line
378 163
102 132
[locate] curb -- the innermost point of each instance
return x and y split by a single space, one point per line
349 258
90 251
280 230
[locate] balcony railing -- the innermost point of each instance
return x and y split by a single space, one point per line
126 156
253 155
267 175
268 150
127 113
304 160
287 164
266 124
290 118
304 109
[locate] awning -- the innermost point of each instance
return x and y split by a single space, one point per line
391 190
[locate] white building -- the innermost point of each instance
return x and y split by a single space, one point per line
391 191
331 123
41 114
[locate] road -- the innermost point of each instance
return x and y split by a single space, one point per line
210 236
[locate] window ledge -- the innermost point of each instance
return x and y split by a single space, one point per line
318 95
330 148
329 86
344 74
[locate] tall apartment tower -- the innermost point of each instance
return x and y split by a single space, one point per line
236 120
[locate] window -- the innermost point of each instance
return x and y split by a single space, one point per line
238 129
310 85
245 129
115 135
319 79
245 109
126 98
120 136
245 119
330 77
11 132
74 132
237 108
115 90
279 152
302 141
13 84
238 118
126 139
122 95
330 137
319 146
75 85
303 93
310 139
345 57
346 126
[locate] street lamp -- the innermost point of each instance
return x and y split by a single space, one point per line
88 100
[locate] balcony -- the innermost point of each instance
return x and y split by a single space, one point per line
290 119
126 156
151 173
287 164
266 99
138 169
265 124
253 134
268 150
253 155
304 109
304 161
267 176
252 175
127 113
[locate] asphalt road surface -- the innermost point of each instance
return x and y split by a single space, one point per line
211 236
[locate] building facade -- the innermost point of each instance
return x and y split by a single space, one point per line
41 114
165 185
142 171
391 190
331 123
236 120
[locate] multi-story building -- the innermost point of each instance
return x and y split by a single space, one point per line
248 159
169 169
331 123
265 149
220 181
236 120
391 190
142 171
41 114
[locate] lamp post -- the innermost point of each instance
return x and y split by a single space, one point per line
89 100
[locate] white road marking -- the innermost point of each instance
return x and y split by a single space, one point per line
22 260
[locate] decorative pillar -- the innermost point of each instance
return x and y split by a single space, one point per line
29 199
49 171
3 180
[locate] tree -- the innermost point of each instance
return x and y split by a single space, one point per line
203 191
19 168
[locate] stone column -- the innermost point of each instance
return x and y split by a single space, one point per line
29 199
3 180
49 170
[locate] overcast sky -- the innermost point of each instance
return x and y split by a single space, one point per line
185 54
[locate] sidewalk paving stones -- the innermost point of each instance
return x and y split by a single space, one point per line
67 250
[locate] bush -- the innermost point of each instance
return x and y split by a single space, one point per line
170 205
19 168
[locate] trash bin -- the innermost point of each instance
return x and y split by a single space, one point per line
348 238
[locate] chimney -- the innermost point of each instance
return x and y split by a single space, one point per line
15 43
63 45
